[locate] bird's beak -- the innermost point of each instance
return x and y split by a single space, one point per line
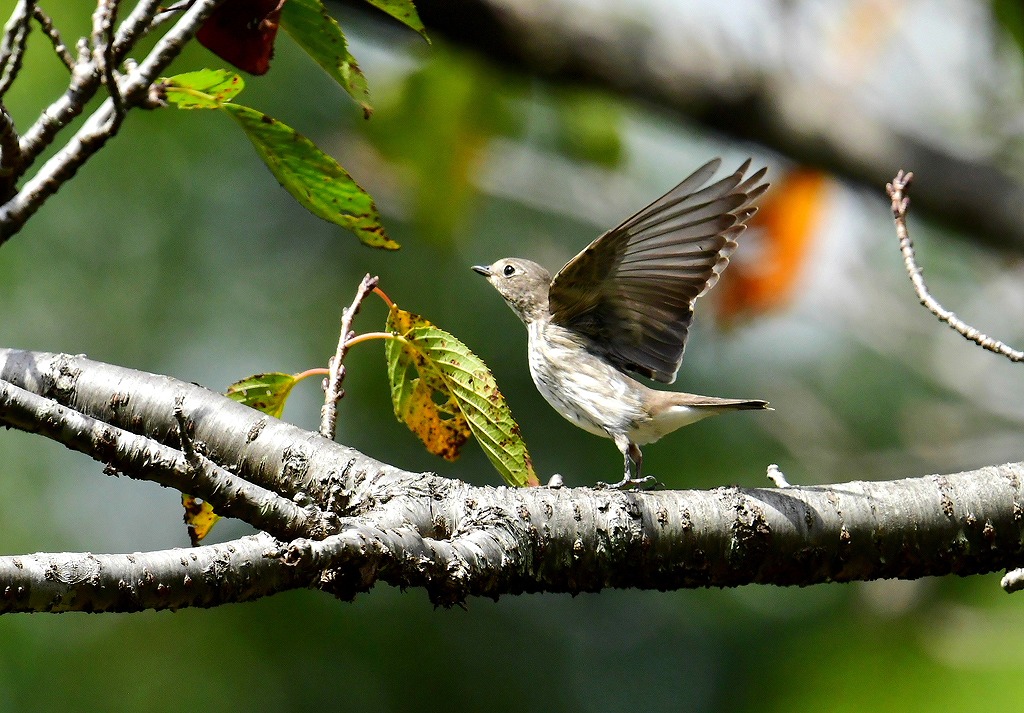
483 270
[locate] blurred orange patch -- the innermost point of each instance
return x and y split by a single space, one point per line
782 231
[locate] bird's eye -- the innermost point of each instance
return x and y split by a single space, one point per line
508 271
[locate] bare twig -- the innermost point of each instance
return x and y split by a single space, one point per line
332 385
12 48
103 48
777 476
99 127
900 204
138 23
63 54
10 154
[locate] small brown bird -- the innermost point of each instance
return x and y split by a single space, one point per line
625 304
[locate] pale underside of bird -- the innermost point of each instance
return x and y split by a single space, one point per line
625 304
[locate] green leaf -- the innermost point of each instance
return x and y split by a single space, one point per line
315 179
446 390
205 89
308 23
263 392
403 11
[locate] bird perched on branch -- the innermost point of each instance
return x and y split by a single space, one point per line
625 303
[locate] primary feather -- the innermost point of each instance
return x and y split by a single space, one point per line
630 293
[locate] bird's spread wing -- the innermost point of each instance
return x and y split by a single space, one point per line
631 291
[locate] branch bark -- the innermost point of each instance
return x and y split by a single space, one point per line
456 540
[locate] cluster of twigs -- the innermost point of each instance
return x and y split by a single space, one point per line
101 60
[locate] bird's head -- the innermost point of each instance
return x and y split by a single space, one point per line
523 284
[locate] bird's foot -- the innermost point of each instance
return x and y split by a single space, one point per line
648 482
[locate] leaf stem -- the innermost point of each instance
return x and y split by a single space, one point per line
373 335
316 371
380 293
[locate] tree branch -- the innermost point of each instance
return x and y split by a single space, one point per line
332 385
103 20
138 23
106 120
61 49
457 540
236 571
900 204
658 64
143 459
12 48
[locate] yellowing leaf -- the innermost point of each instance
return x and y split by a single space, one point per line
443 392
200 518
263 392
422 399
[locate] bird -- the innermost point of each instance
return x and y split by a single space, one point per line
625 304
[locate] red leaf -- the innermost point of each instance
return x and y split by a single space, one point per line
242 32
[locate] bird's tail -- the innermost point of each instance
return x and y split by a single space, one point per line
713 403
669 410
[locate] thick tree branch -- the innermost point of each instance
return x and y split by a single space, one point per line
457 540
141 458
236 571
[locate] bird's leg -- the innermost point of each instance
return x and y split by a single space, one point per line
630 452
634 454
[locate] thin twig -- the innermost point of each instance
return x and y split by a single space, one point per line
10 154
99 127
777 476
103 21
46 23
136 26
332 385
900 204
12 48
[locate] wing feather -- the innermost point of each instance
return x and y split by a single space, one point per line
631 291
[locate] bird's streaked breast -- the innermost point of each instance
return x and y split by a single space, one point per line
582 387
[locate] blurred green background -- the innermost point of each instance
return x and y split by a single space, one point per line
175 251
